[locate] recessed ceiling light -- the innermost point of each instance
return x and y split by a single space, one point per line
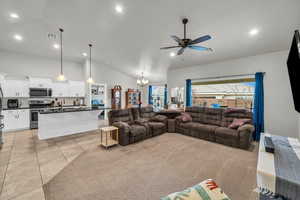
56 46
18 37
172 54
14 16
119 8
84 54
253 32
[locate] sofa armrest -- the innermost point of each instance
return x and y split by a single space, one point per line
124 130
245 135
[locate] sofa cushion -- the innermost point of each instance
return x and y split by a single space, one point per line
226 132
213 116
158 118
147 112
123 115
206 190
157 125
189 125
204 131
136 130
197 113
123 125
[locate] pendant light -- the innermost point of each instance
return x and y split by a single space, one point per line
90 79
61 76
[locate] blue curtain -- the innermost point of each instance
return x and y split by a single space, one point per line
150 100
188 100
258 113
166 95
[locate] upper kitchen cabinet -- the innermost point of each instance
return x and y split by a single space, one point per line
15 88
76 88
60 89
40 82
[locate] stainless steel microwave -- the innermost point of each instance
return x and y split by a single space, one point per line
40 92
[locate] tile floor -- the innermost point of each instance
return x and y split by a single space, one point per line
27 163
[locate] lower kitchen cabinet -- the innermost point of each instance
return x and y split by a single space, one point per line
16 119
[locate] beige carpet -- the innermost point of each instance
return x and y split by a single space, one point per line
154 168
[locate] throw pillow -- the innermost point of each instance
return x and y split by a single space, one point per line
186 117
236 123
207 189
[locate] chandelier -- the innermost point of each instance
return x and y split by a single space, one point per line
141 81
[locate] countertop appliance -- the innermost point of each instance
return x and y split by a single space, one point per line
12 103
37 105
40 92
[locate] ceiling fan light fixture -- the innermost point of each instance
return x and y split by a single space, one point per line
172 54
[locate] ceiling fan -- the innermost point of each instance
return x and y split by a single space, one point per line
188 43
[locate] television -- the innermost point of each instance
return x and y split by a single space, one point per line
293 64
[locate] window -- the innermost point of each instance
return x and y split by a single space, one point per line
237 93
158 97
177 97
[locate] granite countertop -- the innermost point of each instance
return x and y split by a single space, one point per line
15 108
66 110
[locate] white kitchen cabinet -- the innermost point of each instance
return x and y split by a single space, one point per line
40 82
76 88
16 119
60 89
15 88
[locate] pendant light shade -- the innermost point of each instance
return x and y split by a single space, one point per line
61 76
90 79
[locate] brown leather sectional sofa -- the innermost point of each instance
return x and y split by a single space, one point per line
211 124
137 124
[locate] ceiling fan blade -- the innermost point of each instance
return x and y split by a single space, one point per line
180 51
170 47
201 39
177 39
200 48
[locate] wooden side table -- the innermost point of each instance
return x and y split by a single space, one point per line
109 136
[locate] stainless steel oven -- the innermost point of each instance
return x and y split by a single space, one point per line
37 105
40 92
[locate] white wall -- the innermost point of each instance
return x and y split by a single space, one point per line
280 115
17 64
102 73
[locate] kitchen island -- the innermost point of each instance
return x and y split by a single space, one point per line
68 121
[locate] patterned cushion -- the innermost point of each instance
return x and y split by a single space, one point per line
206 190
228 117
238 122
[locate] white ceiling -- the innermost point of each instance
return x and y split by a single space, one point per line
130 42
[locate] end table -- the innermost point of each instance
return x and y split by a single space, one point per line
109 136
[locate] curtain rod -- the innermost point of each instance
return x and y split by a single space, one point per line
229 76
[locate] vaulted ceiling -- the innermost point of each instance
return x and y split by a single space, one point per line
130 41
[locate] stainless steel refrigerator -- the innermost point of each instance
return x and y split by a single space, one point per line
1 118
